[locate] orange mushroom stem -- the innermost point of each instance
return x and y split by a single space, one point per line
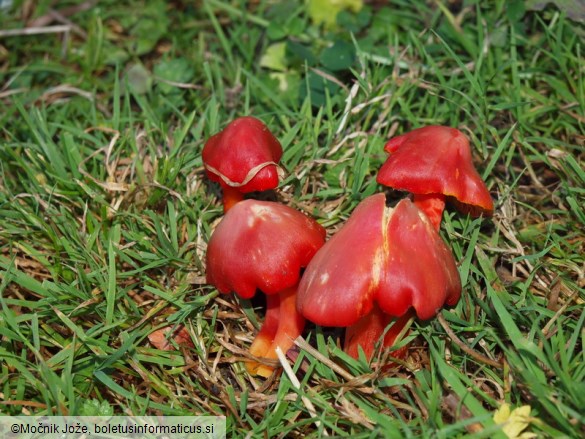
231 196
282 325
369 330
432 205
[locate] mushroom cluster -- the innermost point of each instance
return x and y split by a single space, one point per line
383 267
386 263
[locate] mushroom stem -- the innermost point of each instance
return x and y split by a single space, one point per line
231 196
265 336
283 323
368 330
432 206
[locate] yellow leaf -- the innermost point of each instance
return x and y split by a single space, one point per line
502 414
275 57
514 422
282 80
325 11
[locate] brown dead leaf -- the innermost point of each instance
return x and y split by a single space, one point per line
160 338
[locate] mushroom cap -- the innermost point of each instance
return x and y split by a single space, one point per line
261 245
393 257
436 160
244 156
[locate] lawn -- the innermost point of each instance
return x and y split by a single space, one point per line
105 209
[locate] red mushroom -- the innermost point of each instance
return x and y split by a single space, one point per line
261 245
378 266
435 162
242 158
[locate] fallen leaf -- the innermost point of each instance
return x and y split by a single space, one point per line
160 338
275 57
139 79
575 9
325 11
514 421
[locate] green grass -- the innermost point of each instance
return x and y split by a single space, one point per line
105 211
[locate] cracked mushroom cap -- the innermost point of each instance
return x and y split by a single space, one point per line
261 245
436 160
244 156
390 256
